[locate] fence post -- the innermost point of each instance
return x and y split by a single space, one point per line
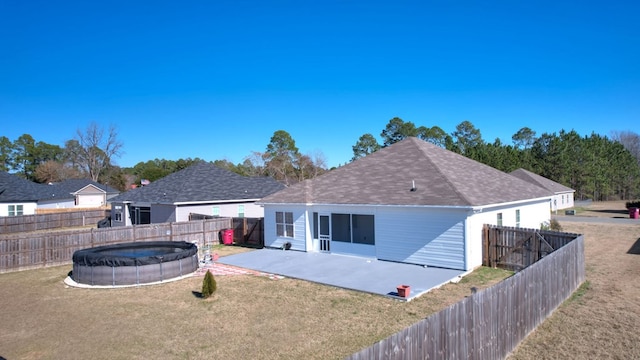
44 250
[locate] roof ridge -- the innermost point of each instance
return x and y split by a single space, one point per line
427 156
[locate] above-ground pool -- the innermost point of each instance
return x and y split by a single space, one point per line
134 263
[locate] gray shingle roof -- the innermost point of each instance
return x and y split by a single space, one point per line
15 188
385 177
540 181
202 182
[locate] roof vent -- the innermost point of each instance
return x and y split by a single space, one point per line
413 185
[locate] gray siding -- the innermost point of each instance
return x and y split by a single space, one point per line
163 213
433 237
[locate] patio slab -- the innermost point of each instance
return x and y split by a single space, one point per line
349 272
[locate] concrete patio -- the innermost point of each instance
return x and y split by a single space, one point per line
349 272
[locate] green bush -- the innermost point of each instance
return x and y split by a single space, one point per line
209 285
634 203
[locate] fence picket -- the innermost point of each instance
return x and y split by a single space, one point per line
34 250
491 323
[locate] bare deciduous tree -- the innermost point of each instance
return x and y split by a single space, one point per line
97 148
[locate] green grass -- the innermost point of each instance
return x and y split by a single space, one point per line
486 275
578 295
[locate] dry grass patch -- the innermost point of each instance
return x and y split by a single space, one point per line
600 321
248 317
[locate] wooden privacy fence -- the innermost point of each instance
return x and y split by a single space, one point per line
24 223
517 248
247 231
28 251
490 323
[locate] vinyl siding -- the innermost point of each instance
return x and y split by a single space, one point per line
251 210
298 242
532 215
432 237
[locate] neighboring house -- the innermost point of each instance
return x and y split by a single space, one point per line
411 202
19 196
202 188
76 193
563 196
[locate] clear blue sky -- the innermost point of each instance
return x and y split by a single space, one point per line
215 79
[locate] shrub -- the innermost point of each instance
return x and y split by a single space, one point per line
552 225
555 225
208 285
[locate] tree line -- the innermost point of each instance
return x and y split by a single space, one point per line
88 155
597 167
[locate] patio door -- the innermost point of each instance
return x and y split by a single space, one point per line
324 232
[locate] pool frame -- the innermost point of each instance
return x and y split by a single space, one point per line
93 267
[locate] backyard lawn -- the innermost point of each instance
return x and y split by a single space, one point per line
249 317
256 317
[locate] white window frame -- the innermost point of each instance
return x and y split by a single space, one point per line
15 210
284 224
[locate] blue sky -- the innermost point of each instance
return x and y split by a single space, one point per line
216 79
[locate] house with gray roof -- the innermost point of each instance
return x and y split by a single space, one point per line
411 202
563 196
202 188
19 196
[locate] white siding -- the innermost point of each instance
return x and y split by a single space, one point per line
95 200
251 210
425 236
298 241
562 201
28 208
56 204
532 216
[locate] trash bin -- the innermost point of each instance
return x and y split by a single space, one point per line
634 212
227 236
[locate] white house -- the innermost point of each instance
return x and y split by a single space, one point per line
411 202
19 196
563 196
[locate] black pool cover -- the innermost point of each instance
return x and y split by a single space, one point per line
135 254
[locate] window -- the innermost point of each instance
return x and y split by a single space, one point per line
284 224
363 229
499 219
240 211
340 227
117 214
16 210
353 228
518 218
315 225
215 211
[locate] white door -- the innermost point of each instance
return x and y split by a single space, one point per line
324 232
